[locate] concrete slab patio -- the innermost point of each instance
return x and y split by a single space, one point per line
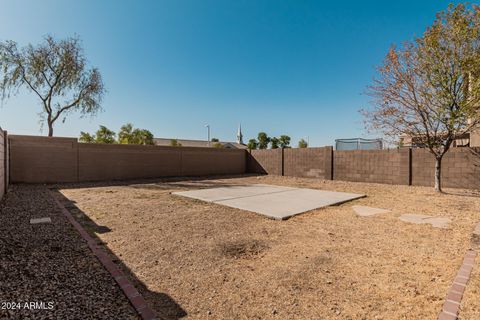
274 202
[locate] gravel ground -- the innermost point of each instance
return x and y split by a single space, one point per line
51 265
201 260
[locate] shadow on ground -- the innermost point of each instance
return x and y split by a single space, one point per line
159 183
473 193
164 306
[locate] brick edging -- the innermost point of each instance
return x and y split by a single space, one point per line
132 294
455 293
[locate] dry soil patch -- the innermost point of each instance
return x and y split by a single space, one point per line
218 262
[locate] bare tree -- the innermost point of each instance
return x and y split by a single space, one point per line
56 72
430 88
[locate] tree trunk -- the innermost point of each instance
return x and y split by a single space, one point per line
438 174
50 129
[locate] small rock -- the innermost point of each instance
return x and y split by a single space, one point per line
40 220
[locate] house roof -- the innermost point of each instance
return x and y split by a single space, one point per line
197 143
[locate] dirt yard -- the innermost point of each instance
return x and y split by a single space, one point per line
198 260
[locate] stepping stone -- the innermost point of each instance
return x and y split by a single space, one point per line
364 211
40 220
477 230
439 222
436 222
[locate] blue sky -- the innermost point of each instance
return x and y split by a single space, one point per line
284 67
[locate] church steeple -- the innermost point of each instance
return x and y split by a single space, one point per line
239 134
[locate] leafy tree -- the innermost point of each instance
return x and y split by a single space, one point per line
143 136
302 143
284 141
215 140
430 88
128 135
86 137
218 145
56 72
252 144
125 135
175 143
104 135
274 143
263 140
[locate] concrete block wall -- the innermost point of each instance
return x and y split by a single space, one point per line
4 179
117 162
379 166
460 168
43 160
308 162
266 161
50 160
212 161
